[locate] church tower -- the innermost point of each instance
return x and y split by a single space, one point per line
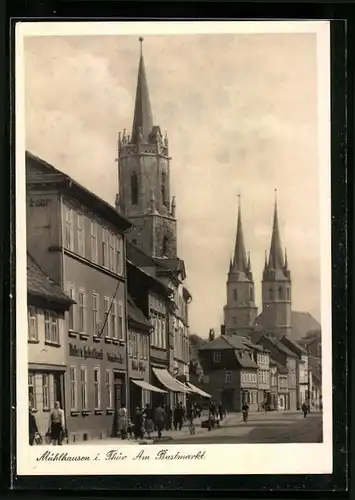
276 286
240 311
144 178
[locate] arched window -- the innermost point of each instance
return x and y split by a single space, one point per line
165 246
163 188
251 294
134 188
280 293
235 295
271 294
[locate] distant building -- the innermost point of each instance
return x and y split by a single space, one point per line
139 331
79 240
288 360
46 334
230 372
301 370
279 386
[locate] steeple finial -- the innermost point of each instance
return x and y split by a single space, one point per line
276 258
240 256
142 109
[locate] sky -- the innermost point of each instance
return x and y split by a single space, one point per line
241 115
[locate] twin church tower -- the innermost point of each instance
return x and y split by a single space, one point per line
240 312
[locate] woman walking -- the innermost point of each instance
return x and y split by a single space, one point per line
122 421
56 424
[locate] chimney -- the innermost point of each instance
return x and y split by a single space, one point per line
223 329
211 335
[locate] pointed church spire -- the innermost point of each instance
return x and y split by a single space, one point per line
240 255
276 258
142 119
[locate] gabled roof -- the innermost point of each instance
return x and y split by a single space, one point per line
138 257
142 276
40 285
196 340
278 345
136 316
36 168
302 324
218 343
280 368
293 346
175 266
245 359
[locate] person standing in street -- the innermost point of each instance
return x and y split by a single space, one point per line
148 422
122 421
159 419
178 417
168 418
56 424
221 411
33 429
305 409
138 423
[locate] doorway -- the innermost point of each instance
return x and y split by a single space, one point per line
58 389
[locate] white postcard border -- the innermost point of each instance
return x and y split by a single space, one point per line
216 459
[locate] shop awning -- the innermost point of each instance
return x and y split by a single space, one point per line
198 391
168 381
148 387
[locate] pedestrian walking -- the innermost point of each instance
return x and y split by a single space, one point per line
56 427
245 410
305 409
148 419
32 426
159 419
190 419
178 416
138 423
122 421
168 418
221 411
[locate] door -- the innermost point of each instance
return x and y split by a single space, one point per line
58 393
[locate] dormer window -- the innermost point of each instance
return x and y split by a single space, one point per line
217 356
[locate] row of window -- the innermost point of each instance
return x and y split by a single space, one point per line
264 376
280 293
263 358
158 337
85 320
110 255
181 345
79 383
32 391
248 378
251 294
138 346
283 381
51 325
250 397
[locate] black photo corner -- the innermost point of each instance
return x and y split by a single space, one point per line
336 485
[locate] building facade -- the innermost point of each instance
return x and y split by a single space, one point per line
46 334
240 311
288 360
80 239
302 369
230 372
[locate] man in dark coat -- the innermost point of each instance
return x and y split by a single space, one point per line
32 426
